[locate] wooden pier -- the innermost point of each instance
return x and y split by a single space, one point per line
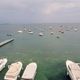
6 41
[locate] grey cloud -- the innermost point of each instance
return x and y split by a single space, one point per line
27 11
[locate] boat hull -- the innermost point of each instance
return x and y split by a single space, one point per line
12 73
2 65
71 69
30 72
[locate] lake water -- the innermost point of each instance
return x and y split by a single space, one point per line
48 51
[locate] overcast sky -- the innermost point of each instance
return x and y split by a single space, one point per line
39 11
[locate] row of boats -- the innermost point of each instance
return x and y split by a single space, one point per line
73 70
40 34
15 68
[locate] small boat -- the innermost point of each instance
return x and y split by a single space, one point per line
13 72
25 29
30 71
58 36
8 34
73 70
20 31
3 63
52 33
50 27
41 34
75 29
30 32
62 32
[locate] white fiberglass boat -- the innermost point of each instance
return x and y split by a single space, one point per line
30 72
13 72
73 70
30 32
52 33
41 34
3 63
75 29
20 31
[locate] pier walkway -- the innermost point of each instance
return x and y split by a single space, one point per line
6 41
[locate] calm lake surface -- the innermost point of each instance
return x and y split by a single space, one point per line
48 51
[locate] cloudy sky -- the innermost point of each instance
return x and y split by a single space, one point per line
39 11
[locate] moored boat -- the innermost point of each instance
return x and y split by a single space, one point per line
75 29
52 33
20 31
3 62
73 70
41 34
30 32
30 72
13 72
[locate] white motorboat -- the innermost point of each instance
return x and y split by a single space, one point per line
30 72
3 63
20 31
75 29
41 34
30 32
13 72
73 70
52 33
